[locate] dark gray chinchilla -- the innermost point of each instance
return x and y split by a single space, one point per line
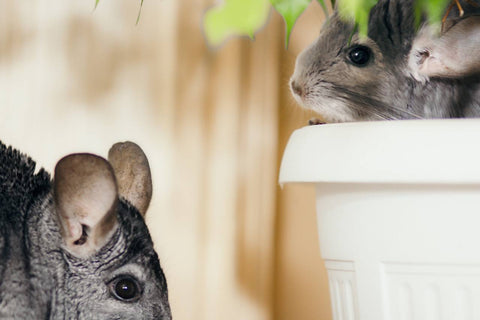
344 77
77 247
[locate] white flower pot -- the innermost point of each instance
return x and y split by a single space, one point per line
398 207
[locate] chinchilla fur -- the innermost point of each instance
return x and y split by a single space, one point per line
42 278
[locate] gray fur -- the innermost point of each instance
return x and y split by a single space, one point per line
328 83
41 279
453 53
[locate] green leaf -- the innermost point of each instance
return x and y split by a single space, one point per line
434 9
139 12
324 7
350 37
290 10
417 14
358 11
96 4
235 17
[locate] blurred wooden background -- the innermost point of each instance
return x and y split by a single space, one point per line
213 122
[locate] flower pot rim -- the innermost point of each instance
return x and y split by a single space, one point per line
444 151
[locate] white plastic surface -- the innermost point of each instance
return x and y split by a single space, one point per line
399 244
417 151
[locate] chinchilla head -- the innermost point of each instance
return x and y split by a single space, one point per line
88 252
123 280
113 271
346 77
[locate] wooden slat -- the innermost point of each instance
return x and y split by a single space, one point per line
301 287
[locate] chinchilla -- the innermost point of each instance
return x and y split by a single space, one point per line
345 77
77 247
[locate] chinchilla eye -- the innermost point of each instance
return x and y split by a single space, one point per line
125 288
360 55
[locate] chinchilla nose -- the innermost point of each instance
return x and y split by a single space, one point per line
296 88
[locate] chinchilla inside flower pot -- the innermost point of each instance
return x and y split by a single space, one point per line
397 201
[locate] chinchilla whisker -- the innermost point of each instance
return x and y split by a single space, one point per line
369 105
411 114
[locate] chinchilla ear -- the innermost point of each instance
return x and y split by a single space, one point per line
133 174
454 53
85 193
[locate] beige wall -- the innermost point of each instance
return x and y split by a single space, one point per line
301 290
212 122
